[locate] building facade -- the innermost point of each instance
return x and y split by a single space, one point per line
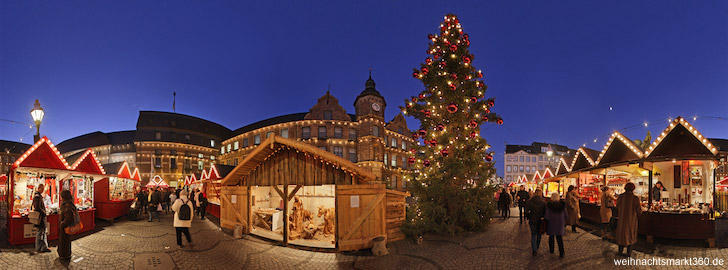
173 145
9 152
528 159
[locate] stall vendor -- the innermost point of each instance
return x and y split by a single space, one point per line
657 191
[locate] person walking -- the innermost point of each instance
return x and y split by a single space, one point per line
535 211
192 197
497 201
522 196
157 196
628 209
572 205
152 205
165 200
556 217
513 197
172 198
66 219
183 214
41 239
605 209
505 203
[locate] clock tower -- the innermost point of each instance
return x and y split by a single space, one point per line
370 101
370 107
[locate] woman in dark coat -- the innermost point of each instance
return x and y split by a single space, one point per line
41 240
628 209
504 201
65 219
557 216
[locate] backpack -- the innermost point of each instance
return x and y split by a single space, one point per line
185 213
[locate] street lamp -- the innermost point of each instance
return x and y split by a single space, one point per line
550 152
37 113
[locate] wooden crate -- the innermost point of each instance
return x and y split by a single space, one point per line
358 224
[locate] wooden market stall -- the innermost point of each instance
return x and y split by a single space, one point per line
43 164
297 194
211 186
114 195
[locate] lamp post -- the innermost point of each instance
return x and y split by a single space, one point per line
37 113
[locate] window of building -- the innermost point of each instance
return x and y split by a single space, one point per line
306 132
187 164
352 134
284 133
352 155
521 158
385 160
394 160
212 143
394 182
158 135
229 147
404 165
508 168
173 152
323 148
245 142
327 115
200 165
540 158
322 132
235 162
520 168
173 163
257 139
158 162
268 134
533 168
157 152
401 130
375 131
338 132
236 145
540 167
404 145
339 151
200 155
394 142
528 169
188 154
386 139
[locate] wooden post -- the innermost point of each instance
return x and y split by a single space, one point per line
285 216
649 192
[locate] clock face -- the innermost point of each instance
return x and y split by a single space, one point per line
376 107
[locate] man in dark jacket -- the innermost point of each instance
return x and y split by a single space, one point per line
141 201
41 240
522 197
535 210
155 198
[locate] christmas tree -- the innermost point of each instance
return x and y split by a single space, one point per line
452 163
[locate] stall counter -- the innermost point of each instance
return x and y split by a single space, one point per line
22 232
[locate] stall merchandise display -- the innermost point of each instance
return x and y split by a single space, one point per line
121 189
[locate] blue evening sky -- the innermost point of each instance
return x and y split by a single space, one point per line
554 67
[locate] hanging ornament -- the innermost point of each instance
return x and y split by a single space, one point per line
440 127
473 99
443 63
422 132
456 21
428 60
427 113
487 110
473 124
452 108
500 121
413 151
466 59
453 47
479 84
489 157
467 42
454 76
437 55
424 71
426 163
430 36
416 75
433 142
446 41
408 106
480 74
422 96
415 136
466 37
491 103
411 160
444 152
473 134
452 86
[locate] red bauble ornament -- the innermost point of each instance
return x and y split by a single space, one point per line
437 55
466 59
414 99
411 160
491 103
453 47
473 124
473 134
446 41
422 96
467 43
479 84
433 142
444 152
427 113
489 157
424 71
443 63
426 163
466 37
430 36
413 151
452 108
454 76
415 136
500 121
422 132
487 110
456 21
440 127
428 60
480 74
473 99
452 86
416 75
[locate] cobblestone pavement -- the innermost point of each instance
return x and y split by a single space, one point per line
506 245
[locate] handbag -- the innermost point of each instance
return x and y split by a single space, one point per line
159 207
77 224
543 227
34 217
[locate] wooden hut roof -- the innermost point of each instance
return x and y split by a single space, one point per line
563 166
584 158
43 154
270 145
135 175
680 139
88 163
619 149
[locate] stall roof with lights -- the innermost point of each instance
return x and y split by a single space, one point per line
680 140
274 143
43 154
584 158
88 163
120 169
619 149
135 175
563 167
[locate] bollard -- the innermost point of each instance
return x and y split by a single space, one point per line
379 246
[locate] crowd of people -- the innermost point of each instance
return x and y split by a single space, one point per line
152 203
553 214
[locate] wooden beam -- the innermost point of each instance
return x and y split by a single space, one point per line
237 213
365 214
279 191
293 193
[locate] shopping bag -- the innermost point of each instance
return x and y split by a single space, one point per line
34 217
77 226
159 207
544 226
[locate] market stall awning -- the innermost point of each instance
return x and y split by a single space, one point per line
273 143
135 175
563 166
584 158
680 139
43 154
88 163
3 179
619 149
